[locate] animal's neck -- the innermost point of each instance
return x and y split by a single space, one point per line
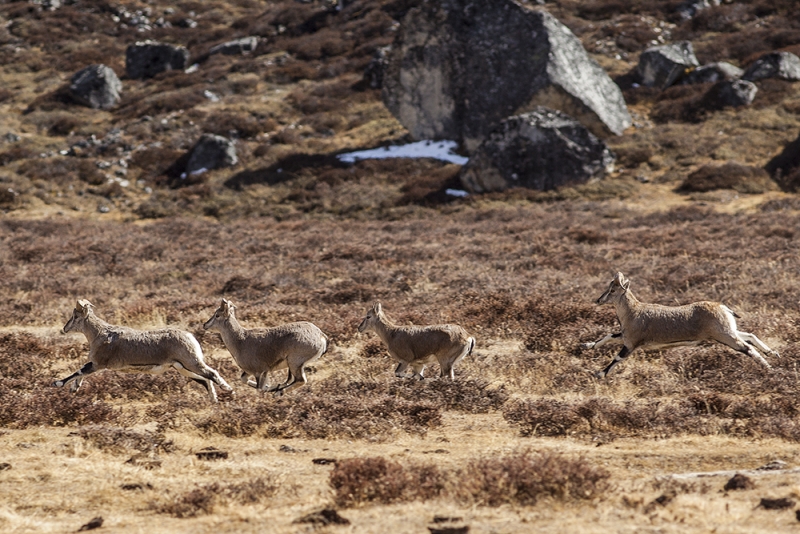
232 332
384 328
93 326
626 306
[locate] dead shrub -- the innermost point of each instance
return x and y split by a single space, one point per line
544 417
203 499
742 178
15 153
523 477
53 407
155 160
358 481
229 123
316 416
122 440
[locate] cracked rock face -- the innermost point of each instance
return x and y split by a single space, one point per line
459 67
148 58
96 86
543 149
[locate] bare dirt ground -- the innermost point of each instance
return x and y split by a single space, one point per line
524 439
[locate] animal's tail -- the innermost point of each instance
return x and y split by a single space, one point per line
327 343
471 345
732 312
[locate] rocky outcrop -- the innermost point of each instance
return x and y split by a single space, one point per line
662 66
237 47
713 73
96 86
785 167
211 152
148 58
730 93
459 67
543 149
783 65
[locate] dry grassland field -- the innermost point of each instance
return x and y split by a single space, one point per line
525 439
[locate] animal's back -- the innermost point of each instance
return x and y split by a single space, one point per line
144 347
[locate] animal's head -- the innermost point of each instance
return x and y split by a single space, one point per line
79 315
373 315
223 313
616 289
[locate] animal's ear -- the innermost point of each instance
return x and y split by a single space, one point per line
377 307
84 306
626 284
619 278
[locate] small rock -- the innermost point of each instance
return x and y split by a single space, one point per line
730 94
211 453
774 465
5 466
235 47
97 522
287 448
327 516
373 73
137 486
449 530
662 66
147 58
211 152
11 137
446 519
739 482
143 459
783 65
96 86
324 461
690 8
776 504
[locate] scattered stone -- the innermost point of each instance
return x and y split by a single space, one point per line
373 73
287 448
739 482
5 466
797 514
774 465
137 486
96 86
776 504
733 93
689 9
236 47
11 137
713 73
211 152
324 461
144 459
145 59
97 522
459 67
437 451
446 519
211 453
543 149
783 65
662 66
324 517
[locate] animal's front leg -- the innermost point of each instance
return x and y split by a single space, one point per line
600 342
79 374
618 358
245 378
400 371
418 369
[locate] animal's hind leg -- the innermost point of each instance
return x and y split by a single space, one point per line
738 344
77 376
753 340
207 383
400 370
418 369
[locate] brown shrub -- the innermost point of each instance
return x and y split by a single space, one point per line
202 499
378 480
122 440
742 178
523 477
239 124
55 407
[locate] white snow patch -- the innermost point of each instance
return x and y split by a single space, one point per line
442 150
456 193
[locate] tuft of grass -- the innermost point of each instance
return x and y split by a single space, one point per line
203 499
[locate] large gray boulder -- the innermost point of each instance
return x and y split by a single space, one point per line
96 86
543 149
211 152
713 73
145 59
661 66
783 65
459 67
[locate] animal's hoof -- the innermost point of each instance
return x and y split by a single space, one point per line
587 345
58 384
599 375
775 353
